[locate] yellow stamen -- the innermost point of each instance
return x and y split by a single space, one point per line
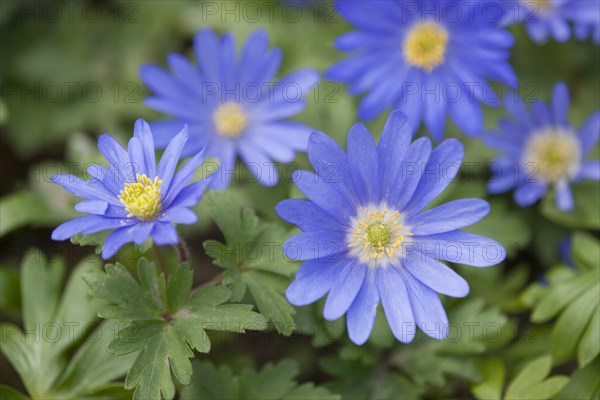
230 120
141 199
554 153
425 46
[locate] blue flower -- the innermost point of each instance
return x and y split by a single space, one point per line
366 237
551 18
133 195
232 105
541 150
426 58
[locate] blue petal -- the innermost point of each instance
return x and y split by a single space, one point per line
331 164
206 47
325 196
528 193
436 275
344 290
409 176
142 131
391 149
89 224
307 215
164 233
180 215
590 170
449 216
313 280
190 195
166 130
459 247
467 115
396 304
85 189
137 233
112 151
259 165
170 158
364 165
560 104
182 177
427 308
589 132
315 245
362 312
97 207
136 155
564 196
441 168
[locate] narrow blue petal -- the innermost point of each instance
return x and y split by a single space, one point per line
112 150
182 177
137 233
180 215
344 290
364 167
528 193
361 314
91 223
441 168
170 158
564 196
142 131
164 233
84 189
136 155
391 150
206 47
436 275
560 104
396 304
315 245
589 132
260 166
411 170
427 308
313 280
459 247
97 207
165 130
190 195
307 215
590 170
449 216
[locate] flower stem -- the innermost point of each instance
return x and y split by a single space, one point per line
158 259
182 251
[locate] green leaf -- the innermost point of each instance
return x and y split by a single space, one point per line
531 382
50 355
585 214
584 383
252 258
586 251
166 322
490 388
273 381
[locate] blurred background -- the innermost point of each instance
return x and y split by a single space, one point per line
69 72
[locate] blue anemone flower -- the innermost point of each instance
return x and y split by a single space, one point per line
427 58
233 106
545 19
133 195
542 150
366 237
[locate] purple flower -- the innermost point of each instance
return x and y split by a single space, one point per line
232 105
427 58
366 237
134 196
542 150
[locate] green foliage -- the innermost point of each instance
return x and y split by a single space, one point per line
58 354
532 382
253 259
273 381
164 321
586 214
575 295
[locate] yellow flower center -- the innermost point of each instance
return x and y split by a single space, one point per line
376 236
230 120
142 198
425 46
554 153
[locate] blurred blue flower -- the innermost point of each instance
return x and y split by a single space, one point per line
232 105
541 150
366 237
551 18
133 195
426 58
